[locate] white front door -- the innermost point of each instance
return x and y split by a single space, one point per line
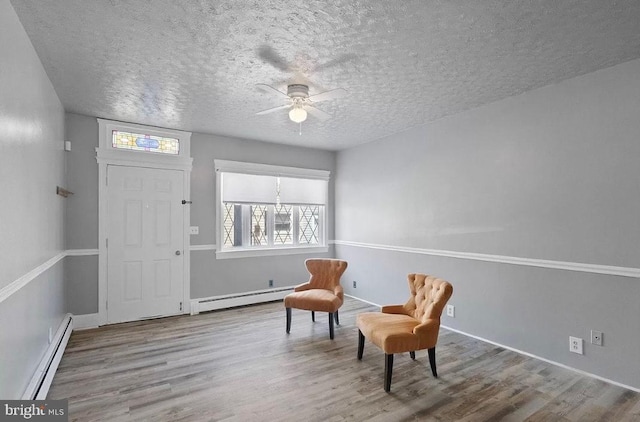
145 243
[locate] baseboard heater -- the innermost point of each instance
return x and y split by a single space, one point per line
240 299
38 388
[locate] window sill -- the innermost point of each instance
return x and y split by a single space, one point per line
248 253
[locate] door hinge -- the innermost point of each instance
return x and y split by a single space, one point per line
106 304
107 242
180 305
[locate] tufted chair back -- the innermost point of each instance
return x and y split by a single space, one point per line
325 273
429 295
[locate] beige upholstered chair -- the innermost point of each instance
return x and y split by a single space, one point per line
322 293
409 327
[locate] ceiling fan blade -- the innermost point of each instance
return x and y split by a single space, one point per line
317 113
329 95
269 55
269 89
271 110
335 62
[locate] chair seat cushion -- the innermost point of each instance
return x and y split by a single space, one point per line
393 333
320 300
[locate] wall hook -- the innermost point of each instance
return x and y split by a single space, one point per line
63 192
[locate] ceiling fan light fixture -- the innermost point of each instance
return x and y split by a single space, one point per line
298 114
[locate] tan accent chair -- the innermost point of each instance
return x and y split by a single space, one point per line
322 293
409 327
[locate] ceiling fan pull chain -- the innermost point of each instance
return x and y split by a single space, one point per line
300 133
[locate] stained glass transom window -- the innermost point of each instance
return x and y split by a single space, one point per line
142 142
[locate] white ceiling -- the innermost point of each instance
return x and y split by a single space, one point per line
193 65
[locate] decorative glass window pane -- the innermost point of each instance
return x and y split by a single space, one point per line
270 226
228 224
142 142
282 229
309 218
258 225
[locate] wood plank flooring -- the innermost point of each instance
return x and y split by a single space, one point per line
240 365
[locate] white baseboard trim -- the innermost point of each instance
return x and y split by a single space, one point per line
205 304
86 321
581 372
513 260
531 355
41 380
362 300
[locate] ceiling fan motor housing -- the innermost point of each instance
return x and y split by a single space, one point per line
298 91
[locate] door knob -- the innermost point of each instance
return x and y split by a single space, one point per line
177 252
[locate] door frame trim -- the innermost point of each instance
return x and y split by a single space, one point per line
106 155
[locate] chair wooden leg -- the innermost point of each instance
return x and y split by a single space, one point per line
313 316
337 319
432 361
360 344
288 320
413 355
331 325
388 369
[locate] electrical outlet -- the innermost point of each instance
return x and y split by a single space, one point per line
270 283
451 311
354 284
596 337
575 345
194 230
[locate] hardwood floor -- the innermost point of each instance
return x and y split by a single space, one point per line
240 365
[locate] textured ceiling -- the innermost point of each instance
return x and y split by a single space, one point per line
193 65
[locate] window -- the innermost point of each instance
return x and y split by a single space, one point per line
144 142
266 210
153 146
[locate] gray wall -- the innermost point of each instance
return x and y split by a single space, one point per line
82 178
550 174
209 277
31 215
81 284
81 272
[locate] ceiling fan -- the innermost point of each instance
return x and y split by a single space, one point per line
300 102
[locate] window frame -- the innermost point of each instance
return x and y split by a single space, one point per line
225 166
